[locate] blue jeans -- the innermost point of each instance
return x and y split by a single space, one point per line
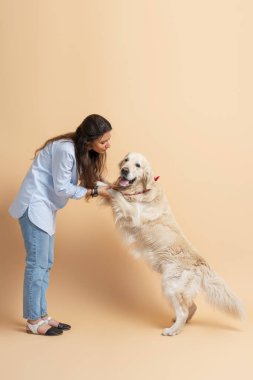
39 260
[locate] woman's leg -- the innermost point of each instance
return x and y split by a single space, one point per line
45 282
37 256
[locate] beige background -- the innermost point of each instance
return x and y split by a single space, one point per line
175 80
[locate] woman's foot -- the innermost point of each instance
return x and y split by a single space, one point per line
52 322
41 327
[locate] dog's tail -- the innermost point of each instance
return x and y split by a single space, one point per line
218 293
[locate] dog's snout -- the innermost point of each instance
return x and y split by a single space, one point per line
124 171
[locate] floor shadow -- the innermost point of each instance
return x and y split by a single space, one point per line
104 268
116 280
211 324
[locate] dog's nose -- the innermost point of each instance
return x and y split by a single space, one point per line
124 171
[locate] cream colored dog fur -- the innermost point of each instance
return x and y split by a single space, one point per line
144 217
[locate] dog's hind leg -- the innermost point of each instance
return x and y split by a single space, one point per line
182 313
192 309
180 287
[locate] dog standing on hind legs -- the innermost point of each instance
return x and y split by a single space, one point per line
143 215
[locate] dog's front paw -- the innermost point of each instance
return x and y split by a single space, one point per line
101 184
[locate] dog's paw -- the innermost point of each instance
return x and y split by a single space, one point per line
101 184
170 331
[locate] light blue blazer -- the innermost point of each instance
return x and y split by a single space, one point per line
50 182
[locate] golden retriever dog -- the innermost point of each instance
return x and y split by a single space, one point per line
144 217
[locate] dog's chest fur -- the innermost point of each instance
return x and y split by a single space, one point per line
135 214
150 229
131 217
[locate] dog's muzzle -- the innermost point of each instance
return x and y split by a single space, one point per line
124 181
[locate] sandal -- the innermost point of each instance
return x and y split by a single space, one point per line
61 326
33 329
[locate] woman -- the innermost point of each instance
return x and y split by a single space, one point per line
49 183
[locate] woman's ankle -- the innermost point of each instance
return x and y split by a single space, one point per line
33 321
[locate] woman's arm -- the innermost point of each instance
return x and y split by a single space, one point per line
62 165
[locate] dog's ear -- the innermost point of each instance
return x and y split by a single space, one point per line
121 163
123 160
148 177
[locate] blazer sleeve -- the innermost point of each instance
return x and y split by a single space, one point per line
62 166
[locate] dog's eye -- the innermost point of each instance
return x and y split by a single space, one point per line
138 165
126 159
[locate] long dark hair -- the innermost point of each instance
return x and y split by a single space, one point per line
90 164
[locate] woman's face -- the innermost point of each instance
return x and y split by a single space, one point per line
101 144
